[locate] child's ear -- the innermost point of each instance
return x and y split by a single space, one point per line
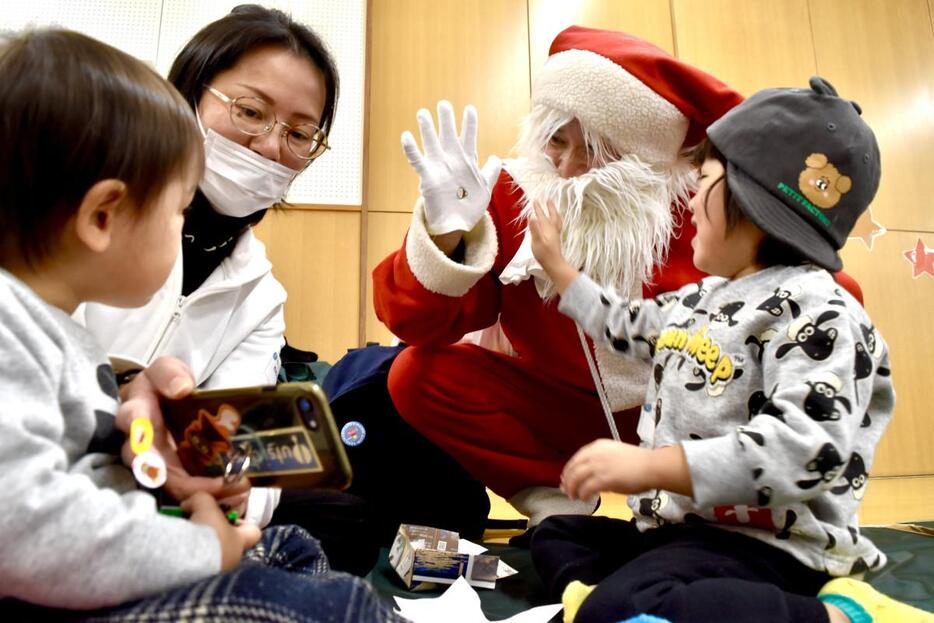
96 217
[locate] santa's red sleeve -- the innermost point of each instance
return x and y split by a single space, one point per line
425 297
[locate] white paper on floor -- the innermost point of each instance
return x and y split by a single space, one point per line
469 547
461 604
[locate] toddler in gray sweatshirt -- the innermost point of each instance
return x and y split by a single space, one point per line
770 392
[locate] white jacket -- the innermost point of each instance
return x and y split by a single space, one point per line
229 331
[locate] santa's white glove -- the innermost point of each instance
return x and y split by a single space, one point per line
455 190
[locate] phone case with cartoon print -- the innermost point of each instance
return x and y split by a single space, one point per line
278 436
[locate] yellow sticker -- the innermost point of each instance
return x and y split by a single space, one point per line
141 435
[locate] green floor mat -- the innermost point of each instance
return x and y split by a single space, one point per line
908 577
909 574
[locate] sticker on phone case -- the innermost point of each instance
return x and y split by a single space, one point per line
149 469
353 433
287 450
206 440
141 435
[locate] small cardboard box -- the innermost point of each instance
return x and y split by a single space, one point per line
424 554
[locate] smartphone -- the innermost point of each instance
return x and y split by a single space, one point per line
278 436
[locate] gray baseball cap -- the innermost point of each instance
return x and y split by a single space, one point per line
802 164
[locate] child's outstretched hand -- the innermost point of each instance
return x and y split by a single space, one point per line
546 246
234 539
607 465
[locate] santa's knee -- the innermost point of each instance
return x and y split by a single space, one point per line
409 378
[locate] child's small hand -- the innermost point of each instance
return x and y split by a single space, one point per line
546 235
546 246
606 465
234 540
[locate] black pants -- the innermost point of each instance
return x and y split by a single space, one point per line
342 522
684 573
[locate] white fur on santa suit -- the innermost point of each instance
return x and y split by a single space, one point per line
436 271
612 102
617 223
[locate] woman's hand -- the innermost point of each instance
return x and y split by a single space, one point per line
455 190
234 539
170 378
606 465
546 246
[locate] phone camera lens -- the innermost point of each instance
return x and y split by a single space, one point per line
308 413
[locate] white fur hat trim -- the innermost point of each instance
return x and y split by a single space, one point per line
607 99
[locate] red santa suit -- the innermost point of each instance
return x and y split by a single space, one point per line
514 419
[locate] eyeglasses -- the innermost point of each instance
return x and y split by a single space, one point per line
255 117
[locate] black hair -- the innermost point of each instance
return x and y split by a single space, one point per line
219 45
75 111
771 251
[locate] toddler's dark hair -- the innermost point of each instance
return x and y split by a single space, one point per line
75 111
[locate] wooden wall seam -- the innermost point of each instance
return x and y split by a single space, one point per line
363 276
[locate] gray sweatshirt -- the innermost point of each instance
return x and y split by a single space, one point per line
74 530
778 388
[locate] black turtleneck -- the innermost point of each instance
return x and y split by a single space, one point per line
207 238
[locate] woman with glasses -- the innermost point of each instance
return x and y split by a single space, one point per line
264 89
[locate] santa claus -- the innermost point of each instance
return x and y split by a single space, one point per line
606 143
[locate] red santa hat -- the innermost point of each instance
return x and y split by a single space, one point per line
642 99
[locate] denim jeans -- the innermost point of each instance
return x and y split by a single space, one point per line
284 578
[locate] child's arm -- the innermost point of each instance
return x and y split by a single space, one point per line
627 327
819 420
71 520
606 465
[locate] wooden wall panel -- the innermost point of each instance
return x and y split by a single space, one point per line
385 233
891 500
900 305
749 44
422 51
648 19
882 56
316 256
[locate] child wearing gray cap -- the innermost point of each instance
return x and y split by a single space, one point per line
771 390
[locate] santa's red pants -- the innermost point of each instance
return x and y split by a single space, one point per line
509 424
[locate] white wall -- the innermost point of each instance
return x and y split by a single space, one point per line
155 31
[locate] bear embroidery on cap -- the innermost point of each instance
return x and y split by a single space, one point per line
822 183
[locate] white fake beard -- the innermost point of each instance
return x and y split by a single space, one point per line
616 219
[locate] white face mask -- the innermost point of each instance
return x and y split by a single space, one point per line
238 181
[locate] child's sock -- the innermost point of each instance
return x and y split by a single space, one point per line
864 604
574 595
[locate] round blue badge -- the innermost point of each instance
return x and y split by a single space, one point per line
353 434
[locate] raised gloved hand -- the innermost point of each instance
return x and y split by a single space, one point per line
455 190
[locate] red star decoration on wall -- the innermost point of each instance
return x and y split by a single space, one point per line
921 258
